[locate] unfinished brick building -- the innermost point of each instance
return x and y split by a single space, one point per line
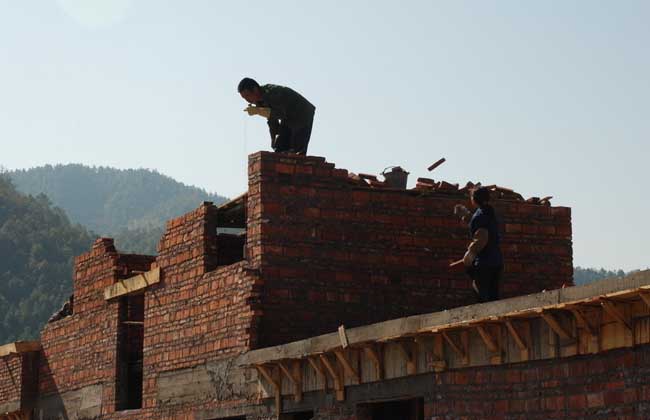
322 294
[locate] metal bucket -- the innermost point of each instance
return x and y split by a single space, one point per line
396 178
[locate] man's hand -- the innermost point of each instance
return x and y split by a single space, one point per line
258 110
461 211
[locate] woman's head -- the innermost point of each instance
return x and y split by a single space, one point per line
480 196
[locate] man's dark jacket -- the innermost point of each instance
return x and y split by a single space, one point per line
287 105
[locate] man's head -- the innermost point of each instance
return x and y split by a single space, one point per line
480 196
250 90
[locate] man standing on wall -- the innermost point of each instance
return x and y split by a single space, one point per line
290 116
483 259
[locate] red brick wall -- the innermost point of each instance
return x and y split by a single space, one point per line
335 252
199 312
11 378
610 385
613 385
322 250
80 350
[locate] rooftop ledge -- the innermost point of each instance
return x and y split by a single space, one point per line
610 296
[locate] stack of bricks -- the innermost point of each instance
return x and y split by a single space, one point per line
337 252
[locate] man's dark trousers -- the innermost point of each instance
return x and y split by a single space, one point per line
292 139
487 281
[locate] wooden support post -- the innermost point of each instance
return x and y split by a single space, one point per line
375 354
409 350
583 322
487 339
284 369
347 366
315 364
645 297
336 377
276 385
519 341
492 344
617 314
297 374
438 363
555 326
294 374
461 350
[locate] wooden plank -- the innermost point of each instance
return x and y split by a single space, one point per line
645 297
460 350
438 363
490 343
296 372
409 350
520 341
263 370
552 342
555 325
287 373
336 377
276 386
318 369
520 306
343 337
374 353
20 347
583 322
347 366
464 341
617 314
493 344
132 284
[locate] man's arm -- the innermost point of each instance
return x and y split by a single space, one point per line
258 110
479 241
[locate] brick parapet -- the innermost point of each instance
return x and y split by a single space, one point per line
339 252
189 243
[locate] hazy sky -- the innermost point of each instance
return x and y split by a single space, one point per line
547 97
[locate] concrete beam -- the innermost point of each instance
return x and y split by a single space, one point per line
465 316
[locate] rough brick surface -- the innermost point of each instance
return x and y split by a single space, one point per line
11 378
80 350
321 249
611 385
340 253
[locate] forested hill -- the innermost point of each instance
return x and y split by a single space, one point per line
130 205
37 247
587 275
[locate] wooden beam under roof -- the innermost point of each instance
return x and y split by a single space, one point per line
133 284
19 347
516 308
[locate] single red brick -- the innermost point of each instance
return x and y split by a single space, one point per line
614 397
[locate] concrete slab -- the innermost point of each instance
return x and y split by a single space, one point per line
456 317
